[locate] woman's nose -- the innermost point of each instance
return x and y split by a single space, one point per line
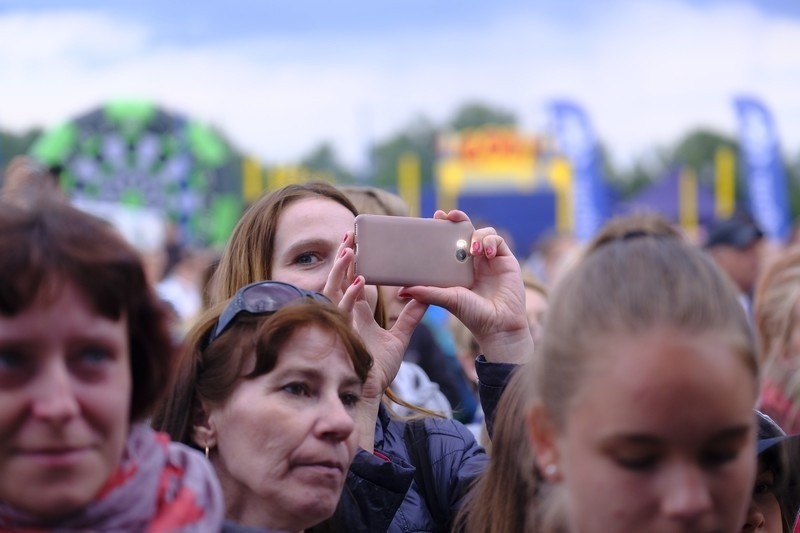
755 519
54 397
687 495
335 421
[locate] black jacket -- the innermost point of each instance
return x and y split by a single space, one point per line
384 491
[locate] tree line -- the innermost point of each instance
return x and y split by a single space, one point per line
696 150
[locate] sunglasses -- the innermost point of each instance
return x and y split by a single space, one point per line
261 298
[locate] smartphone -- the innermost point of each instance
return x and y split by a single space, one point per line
406 251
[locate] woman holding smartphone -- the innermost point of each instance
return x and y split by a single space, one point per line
405 476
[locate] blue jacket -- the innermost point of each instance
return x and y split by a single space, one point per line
384 491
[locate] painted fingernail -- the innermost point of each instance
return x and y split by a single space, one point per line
342 253
476 247
357 280
490 252
346 233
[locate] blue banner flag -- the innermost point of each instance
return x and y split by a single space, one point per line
577 141
764 173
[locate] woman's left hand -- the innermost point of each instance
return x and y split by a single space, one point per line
494 308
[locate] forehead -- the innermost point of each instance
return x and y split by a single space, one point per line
313 217
666 383
317 348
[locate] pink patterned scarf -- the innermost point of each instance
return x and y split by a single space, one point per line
159 486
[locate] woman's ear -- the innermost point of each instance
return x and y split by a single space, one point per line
204 434
542 436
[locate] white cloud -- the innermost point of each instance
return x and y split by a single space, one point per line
646 72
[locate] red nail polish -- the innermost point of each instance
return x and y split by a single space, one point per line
476 247
342 253
345 237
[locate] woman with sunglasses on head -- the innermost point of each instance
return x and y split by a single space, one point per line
267 387
85 353
406 476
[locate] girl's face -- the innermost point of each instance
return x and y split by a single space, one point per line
764 513
307 238
659 438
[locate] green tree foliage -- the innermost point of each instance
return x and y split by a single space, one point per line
477 114
13 144
323 161
698 149
418 137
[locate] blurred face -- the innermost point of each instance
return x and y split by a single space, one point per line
764 513
285 440
535 308
660 437
65 389
740 264
392 302
308 235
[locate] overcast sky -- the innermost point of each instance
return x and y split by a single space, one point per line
278 77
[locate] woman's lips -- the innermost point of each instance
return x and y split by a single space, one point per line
55 457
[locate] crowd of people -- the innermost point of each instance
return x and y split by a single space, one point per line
636 383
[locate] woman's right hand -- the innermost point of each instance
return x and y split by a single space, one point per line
387 347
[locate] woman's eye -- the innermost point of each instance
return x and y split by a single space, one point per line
10 360
637 463
350 399
763 488
307 258
717 458
94 355
297 389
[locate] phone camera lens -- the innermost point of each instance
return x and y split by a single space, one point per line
461 255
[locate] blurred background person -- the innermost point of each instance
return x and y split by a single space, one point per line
777 325
776 495
535 305
182 286
26 182
734 244
552 254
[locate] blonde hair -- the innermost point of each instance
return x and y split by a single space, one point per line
629 285
375 201
499 499
776 296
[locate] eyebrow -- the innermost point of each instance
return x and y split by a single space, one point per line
729 433
316 373
306 243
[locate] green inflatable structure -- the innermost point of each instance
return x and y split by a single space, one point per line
135 154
